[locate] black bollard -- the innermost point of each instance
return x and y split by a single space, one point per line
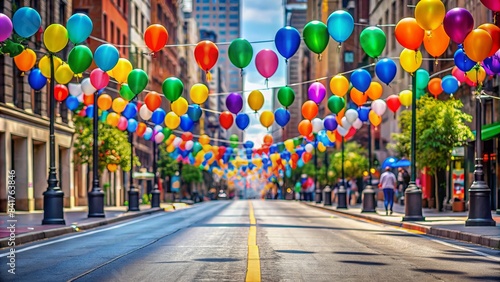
342 198
368 199
327 196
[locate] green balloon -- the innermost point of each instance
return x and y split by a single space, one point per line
286 96
336 104
234 140
420 93
316 36
167 132
281 147
372 40
240 53
137 80
126 93
172 88
196 148
422 79
80 58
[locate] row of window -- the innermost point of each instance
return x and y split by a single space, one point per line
220 1
119 39
236 24
140 20
221 16
221 8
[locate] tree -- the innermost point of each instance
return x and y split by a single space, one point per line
440 126
167 166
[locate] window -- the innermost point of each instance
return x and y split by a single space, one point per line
393 21
233 32
233 24
197 16
158 12
206 16
136 16
234 16
37 102
112 29
222 24
222 32
222 8
118 37
18 88
198 8
348 57
205 24
206 8
234 1
206 1
222 16
105 25
222 1
236 8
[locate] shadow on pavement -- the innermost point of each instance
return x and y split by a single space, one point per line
356 253
363 262
439 271
470 260
294 252
217 259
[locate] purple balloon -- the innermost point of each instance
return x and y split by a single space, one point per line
492 63
234 103
330 122
457 23
316 92
5 27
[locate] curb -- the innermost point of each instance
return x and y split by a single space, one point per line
50 233
428 230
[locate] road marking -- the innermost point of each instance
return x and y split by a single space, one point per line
253 266
463 248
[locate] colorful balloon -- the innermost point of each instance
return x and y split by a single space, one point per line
137 80
26 22
194 112
373 40
410 60
266 118
286 96
104 102
255 100
87 86
435 87
234 103
359 98
121 70
198 93
305 127
316 92
449 84
287 41
457 23
379 107
386 70
64 74
409 34
494 32
44 65
361 79
493 5
80 58
36 79
336 104
72 103
405 98
437 42
106 57
339 85
458 74
172 88
266 62
430 14
60 92
282 117
186 123
5 27
240 53
206 54
226 119
79 28
478 44
126 93
242 121
118 104
340 25
172 120
375 119
156 37
180 106
152 100
130 111
477 75
375 90
330 123
99 78
462 61
393 103
316 36
493 63
422 78
309 110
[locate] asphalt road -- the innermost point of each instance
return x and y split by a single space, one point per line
289 242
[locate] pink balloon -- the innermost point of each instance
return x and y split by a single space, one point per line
266 62
458 74
493 5
99 78
159 137
122 123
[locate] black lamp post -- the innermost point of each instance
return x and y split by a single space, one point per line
342 193
479 192
155 193
368 195
327 196
413 194
53 198
318 195
133 193
96 196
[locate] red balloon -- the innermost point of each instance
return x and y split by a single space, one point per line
156 37
61 92
294 157
152 100
226 119
393 103
306 157
222 150
206 54
186 136
494 32
182 146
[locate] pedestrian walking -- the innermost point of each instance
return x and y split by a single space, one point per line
388 184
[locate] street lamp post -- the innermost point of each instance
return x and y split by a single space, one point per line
341 194
96 196
133 193
368 195
155 193
413 194
327 197
53 198
479 192
318 189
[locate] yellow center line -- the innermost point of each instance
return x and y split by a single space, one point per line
253 266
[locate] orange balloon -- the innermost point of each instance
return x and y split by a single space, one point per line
152 101
435 86
358 97
305 127
268 139
340 115
113 119
436 42
409 34
375 119
26 60
141 128
494 32
309 110
374 91
477 44
88 99
306 157
155 37
104 102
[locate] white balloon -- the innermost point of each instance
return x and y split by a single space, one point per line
317 124
189 145
342 131
351 115
87 87
357 124
159 137
177 142
309 147
80 98
75 89
379 107
145 113
345 123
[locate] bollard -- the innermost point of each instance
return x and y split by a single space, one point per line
327 196
413 205
317 196
368 199
342 198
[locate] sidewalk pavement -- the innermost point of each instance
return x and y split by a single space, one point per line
443 224
29 228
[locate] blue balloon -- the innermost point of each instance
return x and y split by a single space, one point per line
90 111
242 121
132 125
386 70
79 28
130 111
26 21
300 163
36 79
194 112
158 116
72 103
282 116
104 116
449 84
340 25
208 155
148 134
363 114
186 123
106 56
463 62
273 149
361 79
248 144
330 122
287 41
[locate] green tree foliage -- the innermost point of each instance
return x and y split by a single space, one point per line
191 174
114 147
167 166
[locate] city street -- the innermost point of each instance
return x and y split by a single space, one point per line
210 242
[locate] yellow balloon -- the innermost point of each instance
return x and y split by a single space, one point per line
375 119
331 135
266 118
179 106
405 98
64 74
321 147
121 70
207 148
172 120
255 100
113 119
198 93
289 145
170 148
119 104
339 85
477 75
410 60
44 65
430 14
55 37
204 139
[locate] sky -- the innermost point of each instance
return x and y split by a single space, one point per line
260 20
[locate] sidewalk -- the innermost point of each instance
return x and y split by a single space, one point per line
449 225
29 228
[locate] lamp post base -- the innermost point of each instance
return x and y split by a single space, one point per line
342 198
317 196
53 202
479 205
96 203
133 199
327 196
155 198
368 199
413 204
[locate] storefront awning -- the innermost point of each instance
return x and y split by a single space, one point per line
490 131
143 175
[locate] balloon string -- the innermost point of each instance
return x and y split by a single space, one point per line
267 83
319 57
209 76
339 47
